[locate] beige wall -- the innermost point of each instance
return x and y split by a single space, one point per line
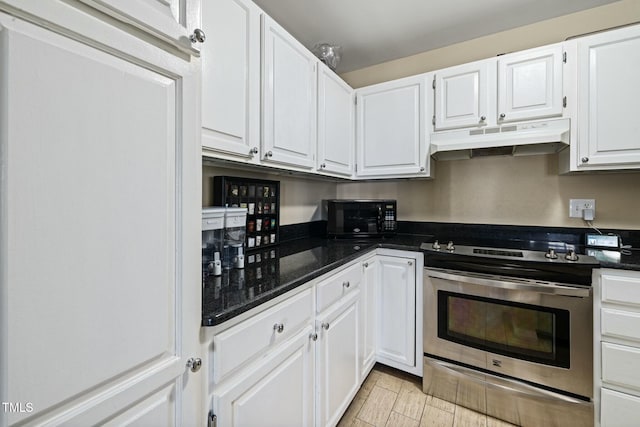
299 196
545 32
507 190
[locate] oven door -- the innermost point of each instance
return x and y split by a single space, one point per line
539 332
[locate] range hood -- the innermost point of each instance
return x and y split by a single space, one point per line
520 139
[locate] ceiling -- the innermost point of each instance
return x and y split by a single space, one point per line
375 31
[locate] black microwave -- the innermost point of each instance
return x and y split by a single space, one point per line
361 218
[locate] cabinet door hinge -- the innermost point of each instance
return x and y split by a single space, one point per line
433 120
355 167
564 102
564 57
433 84
212 420
355 100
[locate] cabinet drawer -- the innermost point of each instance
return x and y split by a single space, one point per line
620 365
335 287
254 336
619 409
622 324
621 289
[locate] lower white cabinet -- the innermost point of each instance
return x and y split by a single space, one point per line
396 312
367 327
278 391
617 325
337 357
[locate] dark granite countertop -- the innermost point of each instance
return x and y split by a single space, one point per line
275 271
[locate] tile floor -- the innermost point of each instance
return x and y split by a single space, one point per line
391 398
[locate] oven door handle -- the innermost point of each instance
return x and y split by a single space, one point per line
541 288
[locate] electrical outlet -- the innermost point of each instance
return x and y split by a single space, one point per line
576 206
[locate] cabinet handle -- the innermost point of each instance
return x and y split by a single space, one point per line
325 326
346 284
483 118
278 327
313 336
268 154
254 150
502 116
194 364
198 36
585 160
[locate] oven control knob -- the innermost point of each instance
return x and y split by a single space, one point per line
436 245
450 246
571 255
551 254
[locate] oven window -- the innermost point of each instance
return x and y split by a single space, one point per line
528 332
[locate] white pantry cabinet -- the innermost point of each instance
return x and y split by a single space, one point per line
289 94
396 313
515 87
231 80
608 102
617 347
101 187
336 133
390 138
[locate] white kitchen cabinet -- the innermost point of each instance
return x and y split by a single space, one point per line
277 390
464 95
289 94
515 87
390 137
396 312
231 80
336 134
608 102
617 347
100 192
368 306
337 358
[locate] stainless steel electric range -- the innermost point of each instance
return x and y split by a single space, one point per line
509 332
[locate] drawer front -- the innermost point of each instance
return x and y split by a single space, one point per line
621 324
254 336
619 409
621 289
620 365
337 286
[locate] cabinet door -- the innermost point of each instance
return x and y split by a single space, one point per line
619 409
100 192
338 365
336 136
609 100
278 391
289 99
530 84
391 139
367 327
396 299
231 79
465 95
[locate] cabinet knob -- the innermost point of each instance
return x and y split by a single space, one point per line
194 364
483 118
278 327
268 154
366 264
325 326
585 160
313 336
502 115
422 169
322 166
346 284
254 150
410 263
197 36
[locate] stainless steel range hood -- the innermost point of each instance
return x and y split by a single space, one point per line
542 137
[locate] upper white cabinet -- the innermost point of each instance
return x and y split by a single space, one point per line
336 134
107 186
464 95
515 87
231 80
288 99
391 139
608 102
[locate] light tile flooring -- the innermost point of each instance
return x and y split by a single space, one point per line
391 398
